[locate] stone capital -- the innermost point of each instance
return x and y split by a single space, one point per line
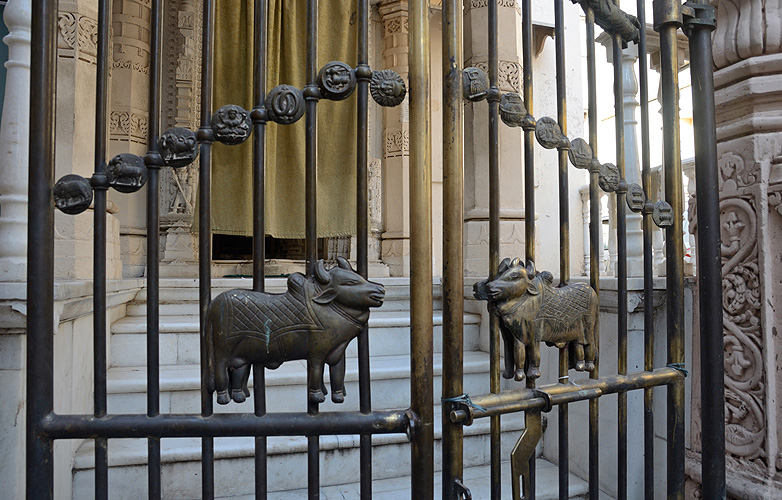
745 29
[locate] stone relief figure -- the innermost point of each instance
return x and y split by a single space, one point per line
531 311
182 190
314 320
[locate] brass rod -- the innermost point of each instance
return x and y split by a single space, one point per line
595 252
421 324
453 234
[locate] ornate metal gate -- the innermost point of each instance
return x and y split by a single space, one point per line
327 308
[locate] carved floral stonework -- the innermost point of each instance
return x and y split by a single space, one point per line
128 126
508 74
77 36
397 143
477 4
396 25
746 28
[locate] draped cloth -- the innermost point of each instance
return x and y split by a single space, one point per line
285 152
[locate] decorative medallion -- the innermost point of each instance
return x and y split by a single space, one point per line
387 88
337 81
549 134
231 124
178 147
512 110
126 173
636 198
662 215
285 104
475 84
72 194
580 153
609 177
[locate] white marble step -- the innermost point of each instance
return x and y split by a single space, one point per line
287 462
286 386
389 334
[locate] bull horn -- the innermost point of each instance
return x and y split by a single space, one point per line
321 274
515 262
530 269
504 265
344 264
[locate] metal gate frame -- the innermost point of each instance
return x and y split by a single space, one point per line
44 426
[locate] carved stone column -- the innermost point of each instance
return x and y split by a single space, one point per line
747 53
395 245
14 144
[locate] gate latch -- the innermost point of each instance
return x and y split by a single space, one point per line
521 454
698 14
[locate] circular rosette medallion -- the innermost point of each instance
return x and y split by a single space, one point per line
126 173
580 153
475 84
285 104
72 194
512 110
662 215
548 133
337 81
231 125
387 88
178 147
636 198
608 179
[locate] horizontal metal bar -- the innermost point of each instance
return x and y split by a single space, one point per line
222 425
536 399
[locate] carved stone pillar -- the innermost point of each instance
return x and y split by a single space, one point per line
747 53
395 245
14 144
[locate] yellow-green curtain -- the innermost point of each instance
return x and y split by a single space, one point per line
286 58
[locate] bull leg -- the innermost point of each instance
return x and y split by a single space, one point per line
578 350
222 381
246 380
511 344
337 371
315 381
534 361
590 356
238 377
520 351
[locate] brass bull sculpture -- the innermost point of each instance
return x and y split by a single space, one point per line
314 320
531 311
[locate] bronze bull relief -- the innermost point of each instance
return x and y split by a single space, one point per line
314 320
532 310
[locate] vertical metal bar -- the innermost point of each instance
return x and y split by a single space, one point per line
621 268
153 245
206 138
564 235
39 479
494 247
646 179
311 95
529 172
667 22
453 256
421 324
595 252
259 224
100 186
363 76
709 264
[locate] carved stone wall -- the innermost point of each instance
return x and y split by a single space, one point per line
746 48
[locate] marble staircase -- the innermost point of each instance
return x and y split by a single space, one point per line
286 391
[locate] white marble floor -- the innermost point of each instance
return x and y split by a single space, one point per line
476 478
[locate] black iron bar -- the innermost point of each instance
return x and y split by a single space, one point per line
39 459
453 234
421 321
100 186
709 264
363 76
259 222
621 267
667 21
153 243
311 96
516 400
564 236
595 252
224 425
494 247
206 138
648 228
529 173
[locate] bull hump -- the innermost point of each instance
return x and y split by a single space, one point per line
566 304
269 312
